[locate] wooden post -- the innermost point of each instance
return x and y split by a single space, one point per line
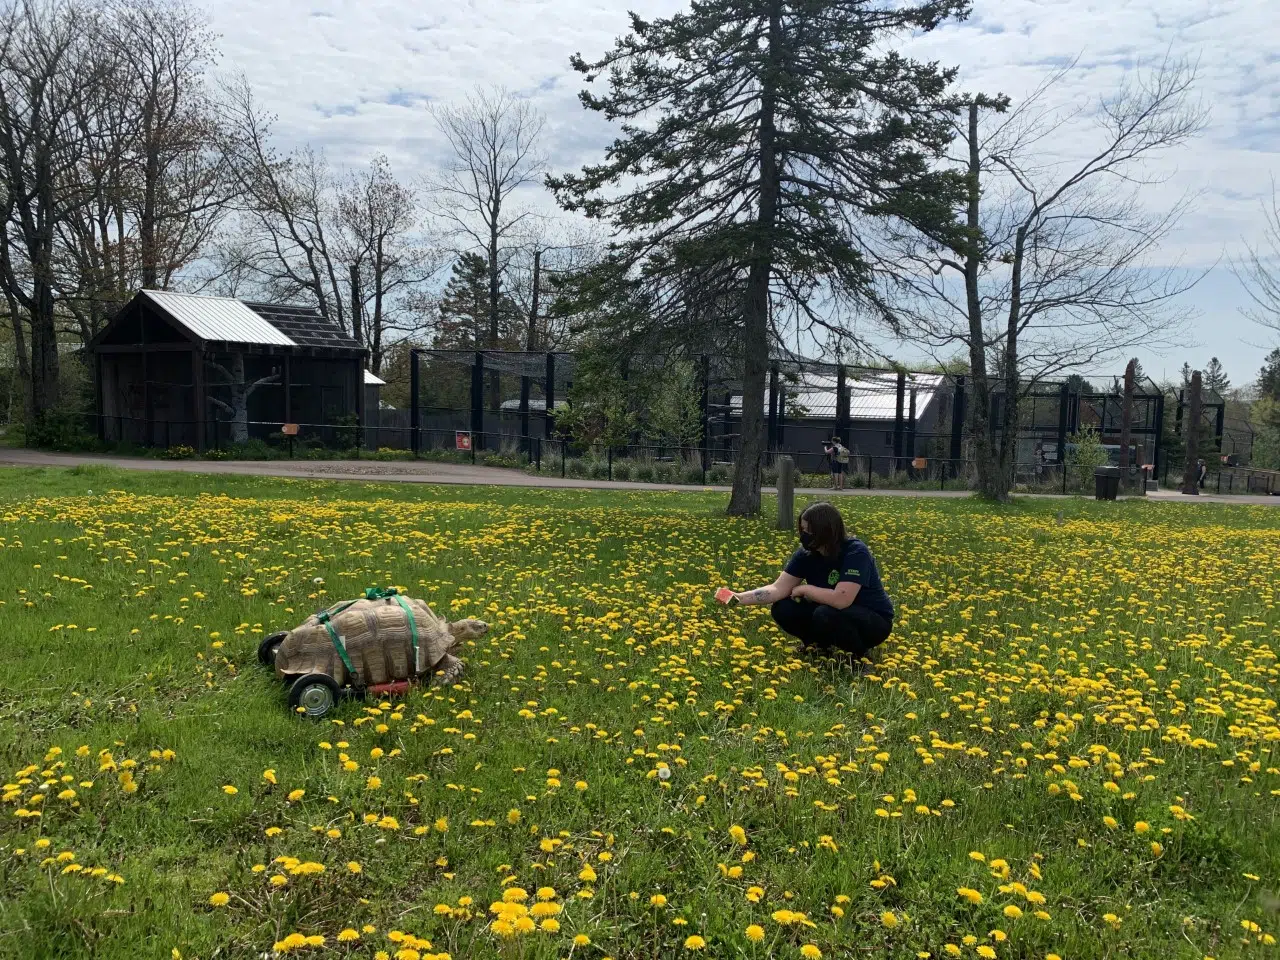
786 493
1191 471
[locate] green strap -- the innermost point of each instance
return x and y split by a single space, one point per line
373 593
413 628
337 642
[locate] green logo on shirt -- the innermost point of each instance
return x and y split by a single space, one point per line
852 573
833 578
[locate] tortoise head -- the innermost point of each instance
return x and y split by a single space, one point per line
468 629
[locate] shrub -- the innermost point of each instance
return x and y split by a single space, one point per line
622 469
644 471
179 452
1087 455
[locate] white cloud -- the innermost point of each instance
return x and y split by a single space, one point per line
356 76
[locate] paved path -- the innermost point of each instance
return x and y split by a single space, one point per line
424 471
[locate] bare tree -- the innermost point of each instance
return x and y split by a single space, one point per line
379 219
493 139
1259 269
155 177
47 59
1058 267
286 236
181 180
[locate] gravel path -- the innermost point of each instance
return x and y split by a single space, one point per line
422 471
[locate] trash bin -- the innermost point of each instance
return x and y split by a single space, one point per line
1106 483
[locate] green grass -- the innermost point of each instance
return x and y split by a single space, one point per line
1043 650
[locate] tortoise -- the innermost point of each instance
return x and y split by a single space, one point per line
379 643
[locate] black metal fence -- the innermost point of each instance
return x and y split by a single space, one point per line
565 458
896 423
882 415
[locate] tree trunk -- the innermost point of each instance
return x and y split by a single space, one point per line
147 252
1126 421
1006 464
44 334
745 498
1191 469
986 460
495 398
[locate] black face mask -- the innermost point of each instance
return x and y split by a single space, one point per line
806 540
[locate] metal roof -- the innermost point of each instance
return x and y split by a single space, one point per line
871 396
218 318
371 379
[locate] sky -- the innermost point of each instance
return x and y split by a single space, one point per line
357 77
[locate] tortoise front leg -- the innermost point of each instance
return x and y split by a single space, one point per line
447 671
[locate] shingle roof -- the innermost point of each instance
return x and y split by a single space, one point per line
218 318
305 325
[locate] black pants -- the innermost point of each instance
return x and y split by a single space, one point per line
854 629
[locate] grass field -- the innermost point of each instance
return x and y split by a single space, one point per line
1067 749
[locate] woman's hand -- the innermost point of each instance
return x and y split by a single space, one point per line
801 592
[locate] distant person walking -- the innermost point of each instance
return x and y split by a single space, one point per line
838 454
1202 473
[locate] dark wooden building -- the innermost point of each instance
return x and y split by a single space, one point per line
175 368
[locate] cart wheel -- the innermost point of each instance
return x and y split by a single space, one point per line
268 647
315 693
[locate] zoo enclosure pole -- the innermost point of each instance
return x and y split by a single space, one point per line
1157 456
531 341
1064 412
773 407
415 441
550 402
900 397
957 424
842 404
477 398
705 406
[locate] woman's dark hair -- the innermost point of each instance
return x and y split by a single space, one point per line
827 527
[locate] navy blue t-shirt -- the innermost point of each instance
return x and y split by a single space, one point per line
853 565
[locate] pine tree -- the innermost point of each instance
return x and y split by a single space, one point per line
1269 377
757 139
464 306
1216 379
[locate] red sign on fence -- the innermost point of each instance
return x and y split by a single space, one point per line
463 440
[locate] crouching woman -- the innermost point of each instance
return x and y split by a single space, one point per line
829 594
